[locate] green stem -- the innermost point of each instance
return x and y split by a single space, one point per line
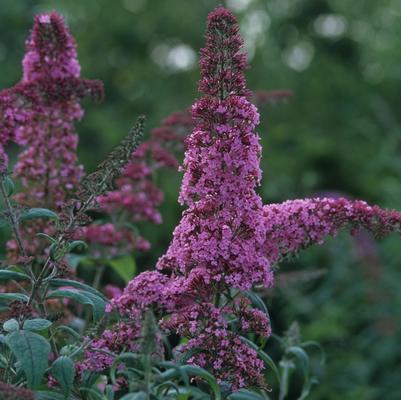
12 218
98 276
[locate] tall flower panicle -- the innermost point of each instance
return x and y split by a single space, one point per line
222 231
40 112
219 244
220 241
48 166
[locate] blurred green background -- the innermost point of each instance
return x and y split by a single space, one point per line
339 133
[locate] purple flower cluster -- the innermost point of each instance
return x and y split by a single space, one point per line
146 290
215 347
101 352
143 292
51 51
222 63
13 114
221 232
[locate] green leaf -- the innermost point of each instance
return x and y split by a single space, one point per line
98 305
135 396
69 330
206 376
46 236
93 391
245 395
307 388
54 251
123 357
14 296
11 325
70 349
124 266
109 392
37 324
169 386
313 343
37 213
51 395
88 380
6 274
301 356
32 352
56 282
79 245
192 370
8 186
3 361
64 371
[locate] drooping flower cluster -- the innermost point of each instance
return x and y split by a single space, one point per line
297 224
136 197
39 114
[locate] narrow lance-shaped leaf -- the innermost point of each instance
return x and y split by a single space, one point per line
9 186
85 298
57 282
38 213
14 296
6 275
